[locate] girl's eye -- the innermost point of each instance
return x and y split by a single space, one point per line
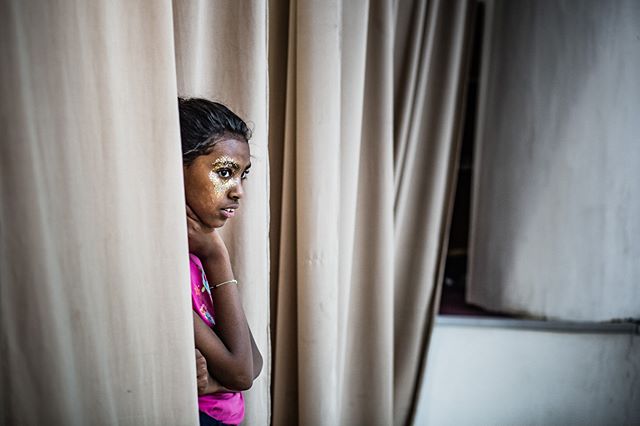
224 173
245 174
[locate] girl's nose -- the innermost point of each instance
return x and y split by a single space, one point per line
236 192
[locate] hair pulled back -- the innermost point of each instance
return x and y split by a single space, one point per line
203 123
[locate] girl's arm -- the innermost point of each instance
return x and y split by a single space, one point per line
257 357
212 385
229 351
206 383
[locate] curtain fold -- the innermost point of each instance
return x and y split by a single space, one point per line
96 327
221 54
360 102
366 251
432 48
363 189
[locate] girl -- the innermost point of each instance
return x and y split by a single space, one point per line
216 162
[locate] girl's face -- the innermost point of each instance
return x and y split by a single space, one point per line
213 182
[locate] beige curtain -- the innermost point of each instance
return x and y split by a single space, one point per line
364 107
430 81
556 209
221 54
95 316
362 113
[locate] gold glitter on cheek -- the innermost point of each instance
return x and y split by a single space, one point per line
220 186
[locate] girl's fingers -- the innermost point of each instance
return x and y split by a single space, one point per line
192 215
191 224
194 222
201 366
190 212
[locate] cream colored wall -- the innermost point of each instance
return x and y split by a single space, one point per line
497 376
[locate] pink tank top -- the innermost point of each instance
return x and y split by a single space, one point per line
227 407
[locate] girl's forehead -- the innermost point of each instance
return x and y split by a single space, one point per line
231 150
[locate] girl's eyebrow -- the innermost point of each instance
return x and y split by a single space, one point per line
226 162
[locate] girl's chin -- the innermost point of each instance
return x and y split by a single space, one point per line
214 220
211 224
217 223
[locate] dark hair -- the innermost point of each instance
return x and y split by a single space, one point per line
203 122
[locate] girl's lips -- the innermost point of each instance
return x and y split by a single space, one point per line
227 213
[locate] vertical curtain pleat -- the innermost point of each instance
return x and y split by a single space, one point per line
367 388
282 95
96 327
322 162
221 54
363 191
431 50
317 139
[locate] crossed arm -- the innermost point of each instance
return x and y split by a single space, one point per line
209 378
229 350
232 358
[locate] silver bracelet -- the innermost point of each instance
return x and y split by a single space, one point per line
224 283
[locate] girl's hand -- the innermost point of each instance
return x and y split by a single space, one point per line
206 384
201 373
204 242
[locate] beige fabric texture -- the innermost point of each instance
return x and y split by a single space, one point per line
364 103
556 210
360 101
430 80
221 54
92 255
